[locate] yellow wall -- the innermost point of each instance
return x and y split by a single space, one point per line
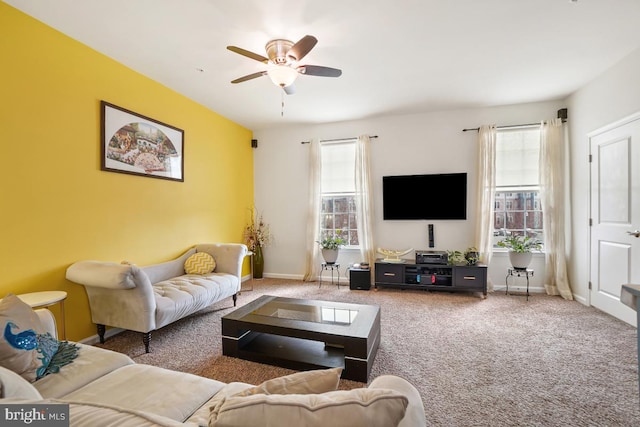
58 207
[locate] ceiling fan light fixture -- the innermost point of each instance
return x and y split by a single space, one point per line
282 75
283 62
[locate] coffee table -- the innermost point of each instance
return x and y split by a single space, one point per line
304 334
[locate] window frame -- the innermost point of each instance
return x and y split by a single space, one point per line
506 204
351 220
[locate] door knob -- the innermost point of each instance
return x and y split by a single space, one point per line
635 233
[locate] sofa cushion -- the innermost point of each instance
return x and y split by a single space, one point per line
13 385
99 415
91 363
304 382
180 296
96 415
199 263
25 346
353 408
171 394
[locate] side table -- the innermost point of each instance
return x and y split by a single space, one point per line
45 299
518 272
330 267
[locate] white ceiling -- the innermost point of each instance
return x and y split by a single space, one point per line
397 56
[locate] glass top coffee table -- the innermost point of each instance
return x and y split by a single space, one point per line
304 334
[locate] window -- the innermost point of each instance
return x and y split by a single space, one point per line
338 209
517 197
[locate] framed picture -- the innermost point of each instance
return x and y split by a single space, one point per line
139 145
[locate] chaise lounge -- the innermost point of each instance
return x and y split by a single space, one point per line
144 299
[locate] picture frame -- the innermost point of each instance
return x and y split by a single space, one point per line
138 145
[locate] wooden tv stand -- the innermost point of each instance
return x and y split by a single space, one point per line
432 277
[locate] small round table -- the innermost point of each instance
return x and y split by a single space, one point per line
325 266
249 254
45 299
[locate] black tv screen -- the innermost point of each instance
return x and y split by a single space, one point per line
436 196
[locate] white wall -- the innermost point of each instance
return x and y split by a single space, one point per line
431 143
610 97
410 144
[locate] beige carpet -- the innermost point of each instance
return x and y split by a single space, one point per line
502 361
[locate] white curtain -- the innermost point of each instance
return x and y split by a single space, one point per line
486 194
554 209
313 212
364 201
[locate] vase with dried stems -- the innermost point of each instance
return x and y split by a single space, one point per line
257 235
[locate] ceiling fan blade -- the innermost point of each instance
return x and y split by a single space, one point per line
302 47
249 77
290 90
248 54
317 70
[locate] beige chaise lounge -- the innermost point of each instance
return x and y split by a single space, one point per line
144 299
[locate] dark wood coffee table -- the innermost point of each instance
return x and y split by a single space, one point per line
304 334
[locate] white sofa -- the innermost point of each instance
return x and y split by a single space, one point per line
104 388
144 299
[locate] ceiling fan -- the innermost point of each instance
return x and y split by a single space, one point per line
282 62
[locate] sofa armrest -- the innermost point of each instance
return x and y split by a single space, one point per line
120 295
229 256
415 416
48 321
108 275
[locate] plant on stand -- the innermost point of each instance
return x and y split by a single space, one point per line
257 235
330 246
520 249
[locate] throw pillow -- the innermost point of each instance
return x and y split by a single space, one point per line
199 263
304 382
353 408
25 347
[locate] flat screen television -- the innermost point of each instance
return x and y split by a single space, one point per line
435 196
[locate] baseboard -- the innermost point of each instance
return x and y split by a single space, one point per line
582 300
283 276
343 279
519 288
94 339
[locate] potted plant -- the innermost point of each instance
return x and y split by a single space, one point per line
330 246
520 249
455 257
471 255
256 236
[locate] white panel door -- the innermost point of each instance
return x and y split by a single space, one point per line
615 215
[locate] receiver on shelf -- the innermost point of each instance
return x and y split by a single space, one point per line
431 257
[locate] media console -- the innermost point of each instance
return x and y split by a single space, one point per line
432 277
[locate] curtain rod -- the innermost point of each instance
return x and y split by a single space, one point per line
338 139
505 127
562 114
512 126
